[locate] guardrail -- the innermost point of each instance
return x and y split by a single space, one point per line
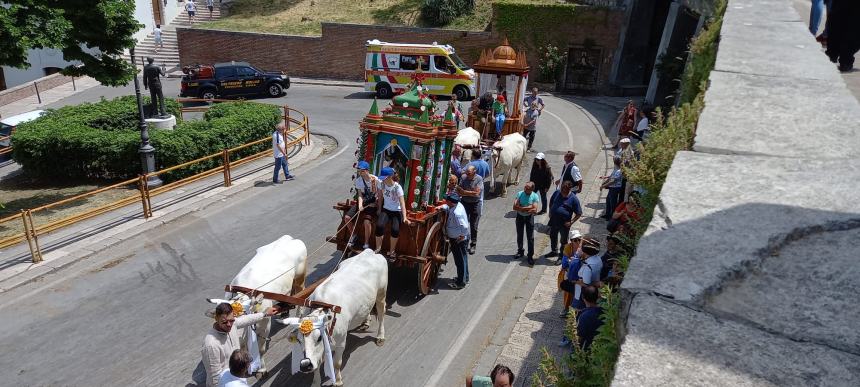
30 230
7 140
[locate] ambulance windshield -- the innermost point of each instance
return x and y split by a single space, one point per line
459 62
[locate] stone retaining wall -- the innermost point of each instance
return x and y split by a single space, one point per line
748 273
29 89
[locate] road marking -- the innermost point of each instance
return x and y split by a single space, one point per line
566 128
442 369
335 155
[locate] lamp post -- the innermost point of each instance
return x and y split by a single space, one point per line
146 150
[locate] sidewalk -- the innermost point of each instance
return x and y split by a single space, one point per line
48 97
539 326
75 242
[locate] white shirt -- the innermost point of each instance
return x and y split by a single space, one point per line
229 380
643 125
278 139
157 33
573 170
391 196
589 272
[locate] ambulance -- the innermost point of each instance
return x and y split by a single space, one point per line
389 67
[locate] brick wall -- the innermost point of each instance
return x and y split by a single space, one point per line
339 53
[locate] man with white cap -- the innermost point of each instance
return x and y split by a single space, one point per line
541 175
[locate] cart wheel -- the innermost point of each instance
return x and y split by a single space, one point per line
428 272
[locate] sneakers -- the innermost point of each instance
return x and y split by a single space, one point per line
471 250
551 254
456 286
563 314
564 342
519 255
289 177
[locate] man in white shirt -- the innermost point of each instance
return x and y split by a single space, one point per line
191 8
236 375
589 272
280 152
223 339
570 172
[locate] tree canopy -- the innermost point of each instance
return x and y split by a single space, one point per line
94 32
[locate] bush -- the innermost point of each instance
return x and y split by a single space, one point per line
442 12
669 135
101 140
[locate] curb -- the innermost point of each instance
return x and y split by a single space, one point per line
60 258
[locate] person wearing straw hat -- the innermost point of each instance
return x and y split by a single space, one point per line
365 203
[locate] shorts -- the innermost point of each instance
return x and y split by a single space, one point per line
210 8
386 216
366 213
190 13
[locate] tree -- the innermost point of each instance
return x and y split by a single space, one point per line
94 32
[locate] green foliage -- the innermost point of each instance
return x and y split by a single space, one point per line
95 33
669 135
703 55
442 12
100 140
552 60
526 23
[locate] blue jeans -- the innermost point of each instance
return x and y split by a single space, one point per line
281 162
461 259
815 13
500 122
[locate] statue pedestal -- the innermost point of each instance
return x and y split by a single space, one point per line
161 123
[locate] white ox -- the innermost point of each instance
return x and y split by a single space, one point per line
467 138
359 284
279 267
508 154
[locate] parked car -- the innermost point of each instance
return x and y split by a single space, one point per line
7 127
231 79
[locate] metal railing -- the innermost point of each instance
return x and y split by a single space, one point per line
6 140
31 230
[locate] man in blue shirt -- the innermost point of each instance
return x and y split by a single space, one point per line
457 229
456 153
588 320
526 206
564 210
481 166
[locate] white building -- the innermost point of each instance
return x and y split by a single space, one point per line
49 61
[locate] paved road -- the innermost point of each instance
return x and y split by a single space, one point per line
134 315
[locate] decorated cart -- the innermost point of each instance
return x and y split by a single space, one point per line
502 70
409 137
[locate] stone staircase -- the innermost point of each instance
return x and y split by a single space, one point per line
169 54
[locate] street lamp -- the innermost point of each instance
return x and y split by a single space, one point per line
146 150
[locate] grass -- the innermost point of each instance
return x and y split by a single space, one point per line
303 17
21 192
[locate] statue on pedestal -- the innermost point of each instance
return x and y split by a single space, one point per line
151 81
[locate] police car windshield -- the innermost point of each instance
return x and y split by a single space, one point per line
459 62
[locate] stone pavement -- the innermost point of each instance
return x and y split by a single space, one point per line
539 325
747 275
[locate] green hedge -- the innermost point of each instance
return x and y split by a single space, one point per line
100 140
442 12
